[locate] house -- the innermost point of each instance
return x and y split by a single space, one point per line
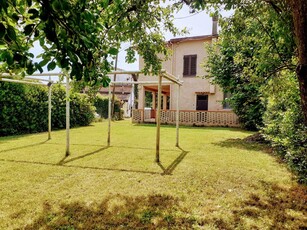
124 92
200 100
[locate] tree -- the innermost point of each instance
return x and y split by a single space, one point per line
298 11
262 49
81 35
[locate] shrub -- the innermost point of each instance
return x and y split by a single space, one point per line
81 110
101 103
283 121
24 109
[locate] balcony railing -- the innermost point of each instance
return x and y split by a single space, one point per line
188 117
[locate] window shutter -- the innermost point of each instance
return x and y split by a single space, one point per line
186 64
189 65
193 65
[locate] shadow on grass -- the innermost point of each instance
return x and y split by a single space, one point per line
285 208
79 167
23 147
168 126
64 161
243 144
117 212
63 143
277 208
141 148
168 170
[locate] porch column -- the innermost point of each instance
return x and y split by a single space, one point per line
164 101
141 98
153 100
141 101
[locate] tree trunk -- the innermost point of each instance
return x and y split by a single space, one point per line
299 12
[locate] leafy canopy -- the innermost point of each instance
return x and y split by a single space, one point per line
81 35
254 45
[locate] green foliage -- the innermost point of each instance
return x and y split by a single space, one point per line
263 47
24 109
259 70
284 122
101 104
82 35
81 110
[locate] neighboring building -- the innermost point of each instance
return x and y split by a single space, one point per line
200 100
123 92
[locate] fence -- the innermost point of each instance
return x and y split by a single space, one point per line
197 118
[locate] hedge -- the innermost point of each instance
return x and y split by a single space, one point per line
101 105
24 109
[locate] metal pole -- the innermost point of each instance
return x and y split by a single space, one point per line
158 121
109 116
67 115
177 116
49 108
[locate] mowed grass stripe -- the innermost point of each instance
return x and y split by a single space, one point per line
215 180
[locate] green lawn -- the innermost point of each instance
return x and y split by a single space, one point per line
215 180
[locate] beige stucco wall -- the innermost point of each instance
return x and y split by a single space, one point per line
191 85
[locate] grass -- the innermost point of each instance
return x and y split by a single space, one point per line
215 180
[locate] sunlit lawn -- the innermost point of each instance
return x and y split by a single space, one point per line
215 180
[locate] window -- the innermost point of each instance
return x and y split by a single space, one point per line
201 102
189 65
226 104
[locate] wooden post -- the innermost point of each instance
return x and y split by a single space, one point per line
109 116
158 121
49 108
67 114
153 100
177 116
114 87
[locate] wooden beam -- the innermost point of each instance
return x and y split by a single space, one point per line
21 81
109 116
67 116
177 116
158 120
49 111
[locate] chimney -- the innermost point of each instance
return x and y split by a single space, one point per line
215 19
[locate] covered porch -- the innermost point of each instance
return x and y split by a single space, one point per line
148 101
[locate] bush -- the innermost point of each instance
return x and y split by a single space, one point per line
81 110
24 109
283 121
101 103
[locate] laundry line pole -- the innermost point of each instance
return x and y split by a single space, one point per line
158 121
49 107
109 115
67 115
177 116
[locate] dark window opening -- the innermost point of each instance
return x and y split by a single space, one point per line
202 102
189 65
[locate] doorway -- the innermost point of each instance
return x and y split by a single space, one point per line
201 102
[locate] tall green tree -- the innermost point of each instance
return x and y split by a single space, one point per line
81 35
254 46
297 10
